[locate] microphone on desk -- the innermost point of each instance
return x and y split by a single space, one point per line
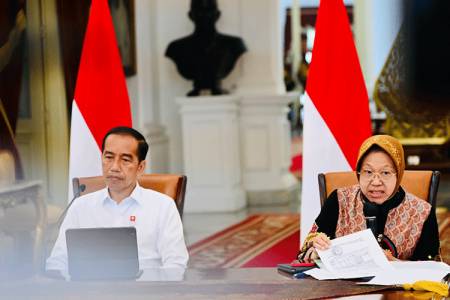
370 214
81 188
371 223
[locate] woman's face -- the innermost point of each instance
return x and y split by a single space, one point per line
377 177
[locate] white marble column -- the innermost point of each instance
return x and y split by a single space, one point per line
265 148
376 25
157 157
211 153
262 66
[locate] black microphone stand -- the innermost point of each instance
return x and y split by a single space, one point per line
81 189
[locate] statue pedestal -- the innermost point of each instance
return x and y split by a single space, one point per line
265 149
226 137
211 153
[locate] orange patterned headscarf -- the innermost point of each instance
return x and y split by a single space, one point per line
391 146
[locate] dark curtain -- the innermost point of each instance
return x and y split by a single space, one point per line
72 18
11 63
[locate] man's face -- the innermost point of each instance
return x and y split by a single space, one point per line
120 163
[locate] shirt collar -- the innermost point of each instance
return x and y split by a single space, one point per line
135 194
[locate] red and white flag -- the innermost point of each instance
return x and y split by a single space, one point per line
101 98
336 111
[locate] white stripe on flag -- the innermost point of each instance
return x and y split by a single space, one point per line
85 156
321 153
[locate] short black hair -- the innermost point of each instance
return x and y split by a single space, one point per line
142 148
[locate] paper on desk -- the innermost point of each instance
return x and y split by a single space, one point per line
410 272
352 256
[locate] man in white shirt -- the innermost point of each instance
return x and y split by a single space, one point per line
124 203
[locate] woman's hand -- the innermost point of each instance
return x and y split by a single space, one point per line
320 242
311 255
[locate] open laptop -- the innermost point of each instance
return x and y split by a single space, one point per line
102 253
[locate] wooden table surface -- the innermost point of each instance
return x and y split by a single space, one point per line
243 283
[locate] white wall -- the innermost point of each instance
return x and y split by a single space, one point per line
171 22
376 25
258 22
157 84
141 87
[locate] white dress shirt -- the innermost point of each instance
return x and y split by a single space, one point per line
154 215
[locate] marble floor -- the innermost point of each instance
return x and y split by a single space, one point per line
198 226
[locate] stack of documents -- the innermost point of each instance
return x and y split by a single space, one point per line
412 271
358 255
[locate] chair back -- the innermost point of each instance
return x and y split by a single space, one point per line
173 185
423 184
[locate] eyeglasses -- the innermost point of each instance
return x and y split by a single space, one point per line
368 175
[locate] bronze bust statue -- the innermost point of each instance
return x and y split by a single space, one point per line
205 56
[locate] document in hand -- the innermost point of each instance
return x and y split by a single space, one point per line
352 256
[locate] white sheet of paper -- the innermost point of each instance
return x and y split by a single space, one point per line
410 272
352 256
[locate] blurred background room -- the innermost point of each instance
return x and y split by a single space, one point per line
244 160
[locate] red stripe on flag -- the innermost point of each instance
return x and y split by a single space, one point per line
101 92
335 82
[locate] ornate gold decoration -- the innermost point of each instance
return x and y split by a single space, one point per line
406 116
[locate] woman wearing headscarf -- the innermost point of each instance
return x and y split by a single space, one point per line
405 226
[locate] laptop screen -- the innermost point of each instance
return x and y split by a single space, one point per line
102 253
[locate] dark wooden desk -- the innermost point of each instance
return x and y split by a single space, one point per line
251 283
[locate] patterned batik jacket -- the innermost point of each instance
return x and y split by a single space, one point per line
403 224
